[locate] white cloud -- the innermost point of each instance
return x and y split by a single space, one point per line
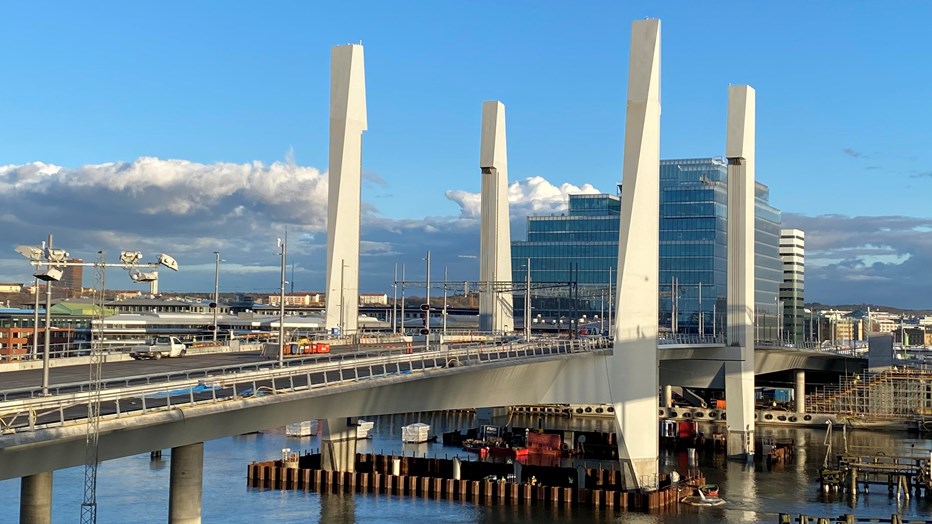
190 210
531 196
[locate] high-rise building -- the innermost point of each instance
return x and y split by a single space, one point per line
581 247
72 279
792 296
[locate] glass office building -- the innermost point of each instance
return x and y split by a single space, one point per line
573 256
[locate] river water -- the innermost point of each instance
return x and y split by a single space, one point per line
135 489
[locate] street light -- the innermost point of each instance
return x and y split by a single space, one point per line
216 292
38 256
49 264
281 311
426 307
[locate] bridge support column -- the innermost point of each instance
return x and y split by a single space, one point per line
338 444
186 484
496 311
35 499
348 120
800 394
739 373
739 396
633 373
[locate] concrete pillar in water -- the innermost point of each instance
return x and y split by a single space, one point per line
185 484
35 499
668 396
739 373
800 391
338 444
396 466
636 322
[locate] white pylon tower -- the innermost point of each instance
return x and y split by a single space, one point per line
496 310
347 122
739 374
634 374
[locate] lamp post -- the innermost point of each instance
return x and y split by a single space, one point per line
527 302
281 307
395 300
216 291
54 260
35 323
48 325
427 301
402 299
444 300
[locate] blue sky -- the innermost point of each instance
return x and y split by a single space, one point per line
842 136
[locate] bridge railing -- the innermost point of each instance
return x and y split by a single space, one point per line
666 339
44 412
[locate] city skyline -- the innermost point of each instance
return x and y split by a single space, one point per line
176 134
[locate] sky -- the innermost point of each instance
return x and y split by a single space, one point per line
195 127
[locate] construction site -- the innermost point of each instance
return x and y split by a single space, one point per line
896 398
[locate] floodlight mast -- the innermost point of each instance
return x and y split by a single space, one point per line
48 323
49 264
216 292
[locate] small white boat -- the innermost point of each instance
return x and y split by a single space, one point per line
701 499
302 429
363 427
415 433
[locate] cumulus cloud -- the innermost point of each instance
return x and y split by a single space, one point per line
531 196
185 208
191 209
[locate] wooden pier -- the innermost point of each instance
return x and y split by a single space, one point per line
902 476
785 518
433 478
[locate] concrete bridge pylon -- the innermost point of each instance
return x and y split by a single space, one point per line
496 312
633 368
348 120
739 373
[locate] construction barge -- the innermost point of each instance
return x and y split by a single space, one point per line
468 481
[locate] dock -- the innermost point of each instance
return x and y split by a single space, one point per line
900 475
478 482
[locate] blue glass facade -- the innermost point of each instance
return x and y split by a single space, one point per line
693 251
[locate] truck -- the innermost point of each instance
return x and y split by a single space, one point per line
158 348
302 346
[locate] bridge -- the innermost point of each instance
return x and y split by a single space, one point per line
200 399
78 425
179 403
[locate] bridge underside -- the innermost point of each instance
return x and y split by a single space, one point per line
564 379
705 367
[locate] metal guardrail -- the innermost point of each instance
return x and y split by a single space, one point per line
29 414
690 339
